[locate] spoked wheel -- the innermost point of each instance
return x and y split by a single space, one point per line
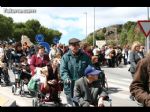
22 93
13 89
106 84
35 102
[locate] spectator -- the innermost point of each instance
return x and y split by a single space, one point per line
134 58
125 54
53 52
86 49
109 55
96 50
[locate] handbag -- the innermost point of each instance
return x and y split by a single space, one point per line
32 85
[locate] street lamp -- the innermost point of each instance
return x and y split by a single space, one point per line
94 29
86 26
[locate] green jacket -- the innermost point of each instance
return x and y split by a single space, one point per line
72 67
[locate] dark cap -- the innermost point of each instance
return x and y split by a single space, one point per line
74 40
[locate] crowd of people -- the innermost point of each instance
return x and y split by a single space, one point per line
77 67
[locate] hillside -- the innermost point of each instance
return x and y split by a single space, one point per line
120 34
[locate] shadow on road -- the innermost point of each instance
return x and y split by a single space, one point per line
112 90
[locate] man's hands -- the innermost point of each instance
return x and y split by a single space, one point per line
100 102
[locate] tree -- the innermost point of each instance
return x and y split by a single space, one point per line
90 40
33 24
30 28
19 25
104 30
6 27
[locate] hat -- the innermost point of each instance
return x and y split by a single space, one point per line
74 40
90 70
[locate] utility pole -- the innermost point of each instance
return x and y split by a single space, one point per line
86 26
94 29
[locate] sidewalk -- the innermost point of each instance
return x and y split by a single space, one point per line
6 102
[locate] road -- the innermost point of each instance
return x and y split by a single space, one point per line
118 78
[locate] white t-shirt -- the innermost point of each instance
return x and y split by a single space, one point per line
1 52
107 52
38 75
95 51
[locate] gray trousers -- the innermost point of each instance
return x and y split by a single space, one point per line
69 96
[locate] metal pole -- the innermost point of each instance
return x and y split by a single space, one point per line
94 29
86 26
148 38
148 13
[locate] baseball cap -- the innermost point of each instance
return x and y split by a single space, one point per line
90 70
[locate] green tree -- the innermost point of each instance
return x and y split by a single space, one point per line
104 30
19 25
6 27
90 40
33 24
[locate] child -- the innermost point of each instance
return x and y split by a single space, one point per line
25 75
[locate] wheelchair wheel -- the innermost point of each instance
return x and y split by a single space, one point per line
106 84
22 93
13 89
35 102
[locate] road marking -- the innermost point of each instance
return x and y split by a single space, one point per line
120 95
119 82
127 80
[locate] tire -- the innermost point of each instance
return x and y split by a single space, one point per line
34 102
22 93
13 89
106 85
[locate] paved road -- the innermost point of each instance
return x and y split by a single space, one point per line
119 80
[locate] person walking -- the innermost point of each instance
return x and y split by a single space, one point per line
72 66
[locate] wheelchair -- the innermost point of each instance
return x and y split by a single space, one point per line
20 81
103 80
107 102
42 99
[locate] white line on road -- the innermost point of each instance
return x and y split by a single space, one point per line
120 95
127 83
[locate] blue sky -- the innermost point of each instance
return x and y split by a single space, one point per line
71 21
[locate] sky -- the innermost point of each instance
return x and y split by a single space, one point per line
71 21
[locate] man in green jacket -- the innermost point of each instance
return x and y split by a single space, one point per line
72 67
